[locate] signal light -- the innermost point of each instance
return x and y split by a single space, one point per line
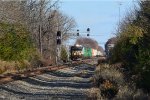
77 34
88 29
58 41
59 33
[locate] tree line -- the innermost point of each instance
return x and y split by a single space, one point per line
28 31
133 44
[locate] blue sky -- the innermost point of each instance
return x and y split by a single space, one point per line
101 16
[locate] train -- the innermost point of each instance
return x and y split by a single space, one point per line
83 52
109 46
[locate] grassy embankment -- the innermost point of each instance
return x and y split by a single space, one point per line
113 83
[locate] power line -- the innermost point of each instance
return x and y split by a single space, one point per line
96 35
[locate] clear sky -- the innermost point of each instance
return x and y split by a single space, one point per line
101 16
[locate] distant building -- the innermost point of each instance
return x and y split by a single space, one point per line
110 45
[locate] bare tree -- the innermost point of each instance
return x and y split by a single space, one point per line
88 42
50 21
42 18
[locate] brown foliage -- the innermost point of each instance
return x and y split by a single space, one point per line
101 60
45 62
87 42
42 19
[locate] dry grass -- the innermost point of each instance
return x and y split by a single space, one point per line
7 66
13 66
94 93
124 93
126 90
107 72
101 60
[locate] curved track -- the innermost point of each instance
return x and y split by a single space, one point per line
71 83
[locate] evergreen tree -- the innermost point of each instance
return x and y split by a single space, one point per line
64 55
15 43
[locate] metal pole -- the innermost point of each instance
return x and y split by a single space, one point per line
40 36
58 46
40 30
119 15
57 57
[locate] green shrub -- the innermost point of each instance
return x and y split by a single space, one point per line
64 55
15 43
16 49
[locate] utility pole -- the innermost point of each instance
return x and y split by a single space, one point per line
120 3
40 30
40 38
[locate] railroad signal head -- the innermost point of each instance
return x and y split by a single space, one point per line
59 33
88 29
77 32
58 41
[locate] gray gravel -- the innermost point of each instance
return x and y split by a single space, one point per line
65 84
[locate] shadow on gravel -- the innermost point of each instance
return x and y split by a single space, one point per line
60 74
64 80
37 96
58 84
83 71
85 67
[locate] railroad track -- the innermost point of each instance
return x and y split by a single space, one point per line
61 83
5 78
